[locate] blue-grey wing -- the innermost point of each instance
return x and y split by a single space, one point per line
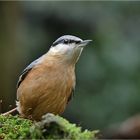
27 70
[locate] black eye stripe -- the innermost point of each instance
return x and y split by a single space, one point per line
66 41
77 42
74 41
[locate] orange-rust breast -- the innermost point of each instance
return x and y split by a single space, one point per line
46 89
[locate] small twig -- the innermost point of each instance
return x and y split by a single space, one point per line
0 106
9 112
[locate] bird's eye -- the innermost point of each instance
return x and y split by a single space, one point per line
66 41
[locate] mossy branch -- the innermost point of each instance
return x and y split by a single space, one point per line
51 127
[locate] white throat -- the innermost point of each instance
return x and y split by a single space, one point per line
67 52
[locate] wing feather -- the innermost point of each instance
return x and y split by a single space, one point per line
27 70
71 95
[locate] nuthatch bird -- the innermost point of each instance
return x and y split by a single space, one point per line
47 84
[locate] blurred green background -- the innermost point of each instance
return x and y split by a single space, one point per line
108 79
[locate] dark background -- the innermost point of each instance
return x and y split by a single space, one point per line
108 72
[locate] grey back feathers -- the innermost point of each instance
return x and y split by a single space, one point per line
27 70
66 39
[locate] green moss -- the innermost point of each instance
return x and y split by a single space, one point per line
12 127
51 127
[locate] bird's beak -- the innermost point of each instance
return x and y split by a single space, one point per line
84 43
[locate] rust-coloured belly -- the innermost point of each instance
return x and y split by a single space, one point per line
44 92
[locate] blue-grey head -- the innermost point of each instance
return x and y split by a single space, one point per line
69 47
